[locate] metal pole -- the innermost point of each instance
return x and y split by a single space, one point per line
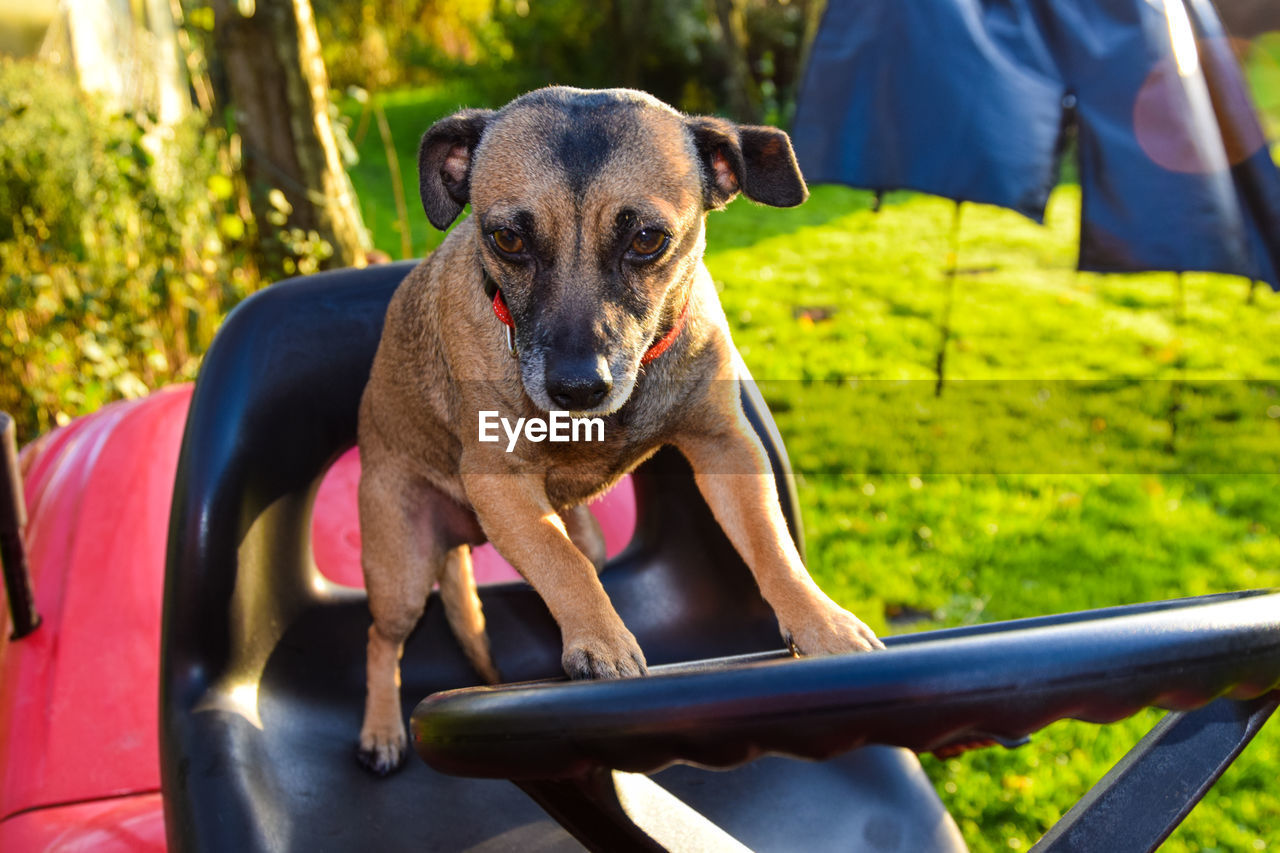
1176 388
13 521
944 337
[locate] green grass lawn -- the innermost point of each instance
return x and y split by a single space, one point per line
1263 69
1030 523
1099 440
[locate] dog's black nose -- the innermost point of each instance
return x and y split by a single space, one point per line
578 384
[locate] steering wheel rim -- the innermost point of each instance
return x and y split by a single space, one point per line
933 691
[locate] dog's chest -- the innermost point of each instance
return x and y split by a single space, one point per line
570 485
581 470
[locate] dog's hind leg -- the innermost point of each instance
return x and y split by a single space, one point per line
462 609
584 531
402 559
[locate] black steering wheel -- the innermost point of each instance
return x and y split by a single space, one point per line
1214 658
939 691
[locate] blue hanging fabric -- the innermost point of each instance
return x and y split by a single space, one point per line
974 100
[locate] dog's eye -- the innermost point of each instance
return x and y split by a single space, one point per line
508 241
649 242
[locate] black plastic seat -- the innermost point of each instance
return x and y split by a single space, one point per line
263 660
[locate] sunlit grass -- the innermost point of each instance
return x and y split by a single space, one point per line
886 538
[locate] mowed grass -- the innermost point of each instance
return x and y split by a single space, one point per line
1022 527
1099 440
1263 73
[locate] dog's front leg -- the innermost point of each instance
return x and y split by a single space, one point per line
518 519
733 474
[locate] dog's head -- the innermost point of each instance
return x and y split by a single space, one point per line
589 209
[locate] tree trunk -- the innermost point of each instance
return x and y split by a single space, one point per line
125 53
1248 19
171 95
102 48
276 92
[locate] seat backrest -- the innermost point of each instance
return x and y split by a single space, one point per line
260 653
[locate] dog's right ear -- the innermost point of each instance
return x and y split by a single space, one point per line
444 164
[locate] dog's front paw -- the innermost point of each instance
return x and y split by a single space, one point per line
828 629
615 656
382 752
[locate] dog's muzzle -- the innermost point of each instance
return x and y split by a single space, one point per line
578 384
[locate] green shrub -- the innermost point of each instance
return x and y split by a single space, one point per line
120 244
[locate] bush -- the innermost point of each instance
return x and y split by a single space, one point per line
120 244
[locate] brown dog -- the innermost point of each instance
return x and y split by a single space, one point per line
586 240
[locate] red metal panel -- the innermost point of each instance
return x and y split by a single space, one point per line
78 698
117 825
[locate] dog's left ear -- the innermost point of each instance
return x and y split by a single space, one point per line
444 164
756 160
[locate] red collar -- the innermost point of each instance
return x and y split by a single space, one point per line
659 346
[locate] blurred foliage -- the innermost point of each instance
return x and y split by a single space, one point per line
121 245
500 48
381 44
1262 69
